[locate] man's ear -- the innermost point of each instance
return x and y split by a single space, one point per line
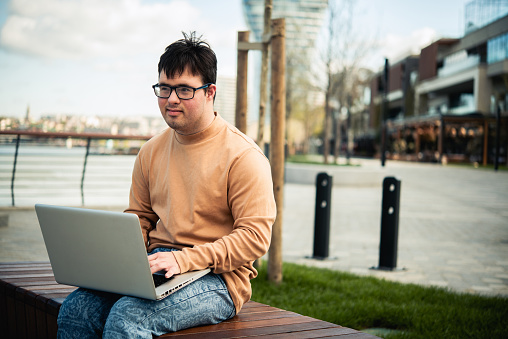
211 91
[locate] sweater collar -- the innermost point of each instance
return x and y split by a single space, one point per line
205 134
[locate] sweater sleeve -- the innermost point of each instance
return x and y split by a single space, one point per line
252 204
139 200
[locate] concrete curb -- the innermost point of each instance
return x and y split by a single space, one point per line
358 176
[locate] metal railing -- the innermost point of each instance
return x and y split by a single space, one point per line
18 139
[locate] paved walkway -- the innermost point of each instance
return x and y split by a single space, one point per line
453 226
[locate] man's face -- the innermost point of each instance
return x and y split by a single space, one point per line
187 116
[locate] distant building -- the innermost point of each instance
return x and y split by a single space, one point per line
442 104
304 19
401 83
480 13
225 100
28 116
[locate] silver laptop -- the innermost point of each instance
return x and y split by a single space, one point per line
103 250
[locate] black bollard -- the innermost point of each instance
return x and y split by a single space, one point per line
322 216
389 224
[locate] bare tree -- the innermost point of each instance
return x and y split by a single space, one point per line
298 89
304 109
344 52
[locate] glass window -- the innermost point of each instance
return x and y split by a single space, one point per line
497 48
480 13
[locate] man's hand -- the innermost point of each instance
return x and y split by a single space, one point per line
164 261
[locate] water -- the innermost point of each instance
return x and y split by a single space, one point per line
52 175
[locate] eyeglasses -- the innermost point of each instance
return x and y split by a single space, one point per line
182 92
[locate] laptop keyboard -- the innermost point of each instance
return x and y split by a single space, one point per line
159 279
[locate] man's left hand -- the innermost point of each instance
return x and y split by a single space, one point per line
164 261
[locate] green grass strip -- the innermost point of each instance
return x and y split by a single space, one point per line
361 303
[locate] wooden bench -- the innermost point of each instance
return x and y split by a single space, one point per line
30 299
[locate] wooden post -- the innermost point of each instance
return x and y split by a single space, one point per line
278 122
264 76
241 84
244 46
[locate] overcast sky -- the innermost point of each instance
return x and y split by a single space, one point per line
99 57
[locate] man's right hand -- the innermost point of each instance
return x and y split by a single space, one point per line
164 261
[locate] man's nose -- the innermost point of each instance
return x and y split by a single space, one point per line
173 97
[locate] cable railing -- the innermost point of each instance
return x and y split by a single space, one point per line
65 166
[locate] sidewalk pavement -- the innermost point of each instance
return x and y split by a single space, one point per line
453 224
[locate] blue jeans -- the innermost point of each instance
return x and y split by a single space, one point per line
94 314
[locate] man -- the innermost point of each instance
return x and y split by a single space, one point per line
204 196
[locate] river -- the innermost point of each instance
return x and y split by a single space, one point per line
52 175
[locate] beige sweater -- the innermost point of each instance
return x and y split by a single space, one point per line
209 194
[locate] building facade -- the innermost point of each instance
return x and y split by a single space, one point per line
450 102
225 100
304 19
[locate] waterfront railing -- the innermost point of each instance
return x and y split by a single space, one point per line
66 168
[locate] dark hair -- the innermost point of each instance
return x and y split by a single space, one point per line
191 53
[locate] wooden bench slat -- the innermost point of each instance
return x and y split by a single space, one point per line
256 309
259 309
355 335
11 315
20 316
20 268
46 313
41 322
318 333
262 315
24 264
252 304
46 285
31 321
239 325
35 283
249 331
3 307
28 276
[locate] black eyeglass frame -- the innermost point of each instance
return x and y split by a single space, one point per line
175 89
